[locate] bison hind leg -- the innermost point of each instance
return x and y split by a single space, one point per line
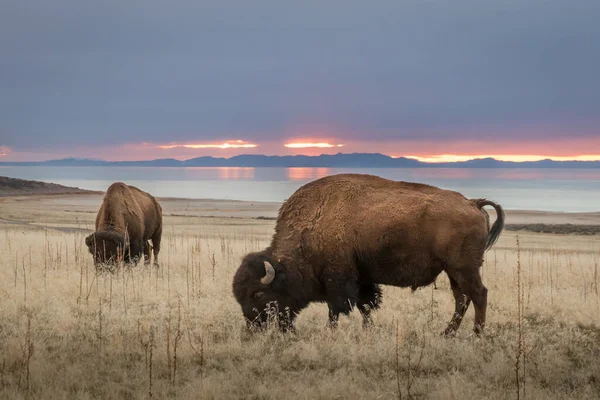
147 251
369 299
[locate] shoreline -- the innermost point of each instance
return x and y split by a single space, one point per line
77 208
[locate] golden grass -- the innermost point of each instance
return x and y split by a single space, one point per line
177 332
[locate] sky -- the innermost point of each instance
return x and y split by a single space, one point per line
430 79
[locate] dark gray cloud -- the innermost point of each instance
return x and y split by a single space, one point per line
74 72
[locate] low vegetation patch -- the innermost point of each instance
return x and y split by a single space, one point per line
23 187
561 229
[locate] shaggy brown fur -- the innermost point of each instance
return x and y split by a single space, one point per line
127 220
339 237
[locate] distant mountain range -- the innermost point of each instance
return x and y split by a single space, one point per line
355 160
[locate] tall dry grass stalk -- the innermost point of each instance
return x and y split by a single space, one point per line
8 240
519 347
398 385
16 268
78 262
596 262
169 274
213 263
24 285
144 343
2 369
169 368
100 336
151 350
27 350
176 340
197 346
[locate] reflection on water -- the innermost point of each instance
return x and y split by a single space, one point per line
445 173
492 173
306 173
236 172
549 189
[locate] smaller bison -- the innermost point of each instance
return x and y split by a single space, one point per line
338 238
126 221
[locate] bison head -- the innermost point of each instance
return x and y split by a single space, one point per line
107 247
261 287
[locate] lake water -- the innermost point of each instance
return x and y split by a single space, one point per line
571 190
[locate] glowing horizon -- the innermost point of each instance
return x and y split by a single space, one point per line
305 145
460 152
499 157
229 144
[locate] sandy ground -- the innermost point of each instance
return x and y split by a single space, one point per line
81 208
177 332
172 207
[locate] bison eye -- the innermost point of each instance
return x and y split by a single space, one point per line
258 295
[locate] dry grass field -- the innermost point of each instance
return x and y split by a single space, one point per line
177 332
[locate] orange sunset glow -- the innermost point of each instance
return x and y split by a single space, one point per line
561 149
304 173
306 145
501 157
230 144
236 172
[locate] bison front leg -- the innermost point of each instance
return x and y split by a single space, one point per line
369 299
334 316
461 303
342 295
135 252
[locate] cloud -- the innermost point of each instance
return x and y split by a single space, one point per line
427 150
109 73
303 145
230 144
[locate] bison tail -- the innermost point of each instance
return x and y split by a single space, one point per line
498 225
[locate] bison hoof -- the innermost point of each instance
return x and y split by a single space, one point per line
478 330
449 332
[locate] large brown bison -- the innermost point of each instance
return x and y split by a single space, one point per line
126 221
339 237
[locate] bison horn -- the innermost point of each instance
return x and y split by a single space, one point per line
269 274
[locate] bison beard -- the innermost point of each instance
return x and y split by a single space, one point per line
338 238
